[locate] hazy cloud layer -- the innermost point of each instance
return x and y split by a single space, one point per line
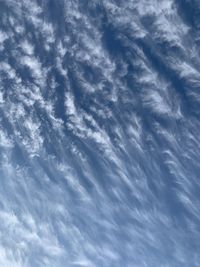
99 133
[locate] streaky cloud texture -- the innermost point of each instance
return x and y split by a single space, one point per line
99 133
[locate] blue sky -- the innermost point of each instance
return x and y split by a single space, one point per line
99 133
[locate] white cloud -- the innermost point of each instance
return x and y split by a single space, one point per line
27 47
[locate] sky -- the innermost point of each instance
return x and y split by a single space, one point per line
99 133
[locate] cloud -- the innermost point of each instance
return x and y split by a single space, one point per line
99 141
